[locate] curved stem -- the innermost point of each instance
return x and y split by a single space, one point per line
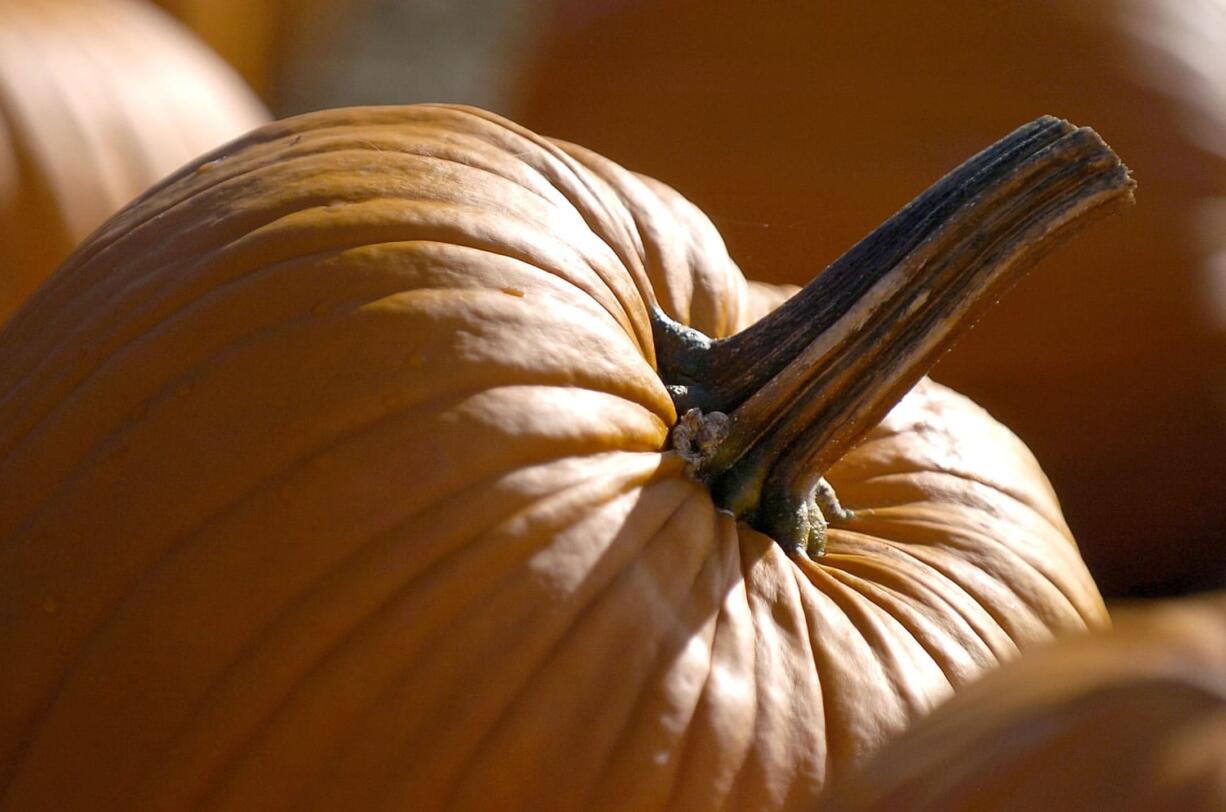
803 385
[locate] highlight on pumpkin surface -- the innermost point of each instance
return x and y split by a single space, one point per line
98 100
1132 719
339 471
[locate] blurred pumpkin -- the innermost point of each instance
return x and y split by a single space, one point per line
256 36
1112 365
98 100
1130 720
340 478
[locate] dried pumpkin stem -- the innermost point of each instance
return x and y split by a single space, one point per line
806 383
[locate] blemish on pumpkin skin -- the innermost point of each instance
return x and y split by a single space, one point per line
208 166
516 292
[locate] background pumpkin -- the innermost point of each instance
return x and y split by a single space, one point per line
1112 364
98 99
1131 720
257 36
337 479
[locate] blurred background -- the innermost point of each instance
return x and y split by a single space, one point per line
799 126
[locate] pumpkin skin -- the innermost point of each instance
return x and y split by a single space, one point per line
338 479
1131 720
98 100
1110 364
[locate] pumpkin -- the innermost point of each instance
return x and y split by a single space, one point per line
98 100
1110 364
336 471
1130 720
255 36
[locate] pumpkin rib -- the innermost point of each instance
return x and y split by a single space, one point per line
868 544
1002 619
828 709
238 343
1004 616
127 223
1019 499
554 636
684 743
346 640
924 628
715 787
1051 569
587 203
873 623
645 726
584 615
851 563
1049 584
289 616
753 667
650 255
773 593
185 309
192 196
165 299
107 615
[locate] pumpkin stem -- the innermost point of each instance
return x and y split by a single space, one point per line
804 385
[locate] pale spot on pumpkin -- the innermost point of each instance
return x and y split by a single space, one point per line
208 166
516 292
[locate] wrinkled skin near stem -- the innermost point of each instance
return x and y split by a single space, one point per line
802 386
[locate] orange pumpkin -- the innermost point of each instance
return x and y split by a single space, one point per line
1111 364
98 100
1131 720
335 471
255 35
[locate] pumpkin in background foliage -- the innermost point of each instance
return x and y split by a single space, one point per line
1111 365
1129 720
98 100
335 472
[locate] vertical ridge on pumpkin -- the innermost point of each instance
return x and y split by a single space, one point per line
634 612
371 583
